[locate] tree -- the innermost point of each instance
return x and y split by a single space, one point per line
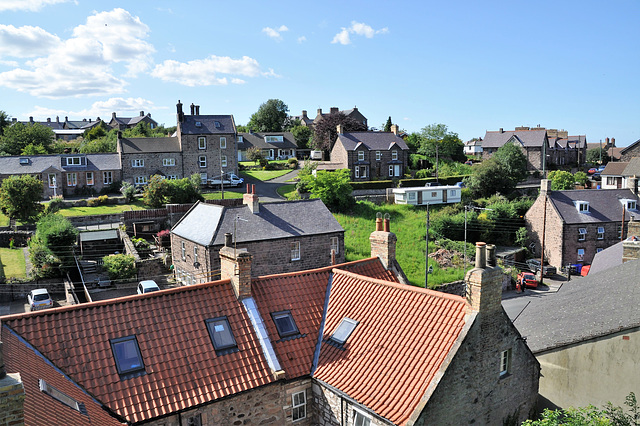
128 190
58 235
333 188
588 416
20 197
388 124
155 191
302 135
580 178
99 131
619 417
489 178
119 266
414 142
325 131
597 155
183 191
561 180
97 145
513 162
438 137
17 137
254 154
5 121
270 117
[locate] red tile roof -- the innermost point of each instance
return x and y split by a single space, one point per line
402 339
181 365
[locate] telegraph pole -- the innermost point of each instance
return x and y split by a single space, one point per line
544 224
426 263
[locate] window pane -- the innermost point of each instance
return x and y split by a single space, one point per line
127 355
221 333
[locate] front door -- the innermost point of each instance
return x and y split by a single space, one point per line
444 195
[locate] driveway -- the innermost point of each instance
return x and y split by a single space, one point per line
267 190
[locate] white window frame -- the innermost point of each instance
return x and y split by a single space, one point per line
378 155
240 139
357 171
195 254
223 161
611 180
138 162
202 142
140 180
390 170
299 406
619 226
52 180
335 245
505 362
601 232
72 179
580 255
107 178
295 250
452 192
168 162
71 161
203 178
360 418
90 181
360 155
411 196
394 155
631 205
223 142
202 161
184 250
582 234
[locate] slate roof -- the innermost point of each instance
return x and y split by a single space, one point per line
106 161
206 224
147 145
607 258
10 165
528 138
604 205
631 146
596 305
614 168
255 139
633 167
374 141
53 125
402 338
208 124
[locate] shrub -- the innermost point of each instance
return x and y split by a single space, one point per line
57 234
45 263
128 190
92 202
140 243
54 205
293 163
112 188
263 162
119 266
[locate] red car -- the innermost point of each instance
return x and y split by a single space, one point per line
592 171
527 279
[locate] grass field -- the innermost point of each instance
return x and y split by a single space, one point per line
287 190
264 175
12 264
409 225
110 209
218 195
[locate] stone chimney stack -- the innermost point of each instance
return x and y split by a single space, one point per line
333 110
31 119
383 243
11 396
235 265
613 142
304 113
48 119
501 130
141 113
606 142
394 129
193 108
484 283
319 112
631 246
632 184
113 116
250 198
58 118
197 109
179 110
545 187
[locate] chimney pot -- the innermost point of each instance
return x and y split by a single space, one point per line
501 130
193 108
141 113
228 239
379 225
481 255
67 118
197 109
253 188
491 255
386 226
613 142
304 113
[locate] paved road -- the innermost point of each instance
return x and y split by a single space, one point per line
267 190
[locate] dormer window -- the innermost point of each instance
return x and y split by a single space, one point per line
73 161
217 124
631 205
274 138
582 206
344 330
240 139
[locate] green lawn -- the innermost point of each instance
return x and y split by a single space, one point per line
12 264
218 195
265 174
110 209
409 225
287 191
4 220
251 163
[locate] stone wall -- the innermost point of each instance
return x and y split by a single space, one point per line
591 242
191 153
19 238
333 409
153 164
554 231
95 219
11 399
632 151
266 405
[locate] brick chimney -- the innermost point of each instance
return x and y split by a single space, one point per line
632 184
484 282
304 113
545 187
235 265
631 246
394 129
179 111
333 110
141 113
11 396
250 198
383 243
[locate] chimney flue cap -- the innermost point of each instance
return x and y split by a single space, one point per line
228 239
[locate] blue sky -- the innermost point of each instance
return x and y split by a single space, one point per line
474 66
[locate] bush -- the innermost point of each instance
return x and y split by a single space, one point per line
293 163
119 266
263 162
128 190
140 243
45 263
112 188
57 234
56 203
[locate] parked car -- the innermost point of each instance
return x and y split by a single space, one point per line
39 299
534 266
527 279
228 180
592 170
147 286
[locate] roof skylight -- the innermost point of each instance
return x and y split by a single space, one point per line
344 330
127 354
217 123
221 334
284 323
62 397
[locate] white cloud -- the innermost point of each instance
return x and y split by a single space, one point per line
102 109
302 39
274 33
9 63
27 41
357 28
28 5
81 65
204 72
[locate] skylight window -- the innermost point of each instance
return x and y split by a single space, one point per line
127 354
198 124
62 397
284 323
221 334
24 161
344 330
217 124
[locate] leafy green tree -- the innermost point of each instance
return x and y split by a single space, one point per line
17 137
59 235
119 266
594 155
333 188
302 135
32 149
254 154
155 192
513 162
183 191
270 117
488 178
325 132
522 236
414 142
388 124
619 417
128 190
99 131
561 180
97 145
588 416
241 128
5 121
438 137
290 123
580 178
20 197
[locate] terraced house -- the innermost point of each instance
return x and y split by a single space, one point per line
343 344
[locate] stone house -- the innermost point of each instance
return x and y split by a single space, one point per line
473 147
353 113
142 158
274 146
283 237
316 347
371 155
580 223
304 119
589 354
207 142
66 130
66 174
123 123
